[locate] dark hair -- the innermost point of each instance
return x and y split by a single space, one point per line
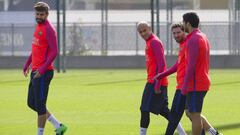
192 18
177 25
41 7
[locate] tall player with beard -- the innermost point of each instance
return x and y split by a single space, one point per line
196 81
44 51
179 100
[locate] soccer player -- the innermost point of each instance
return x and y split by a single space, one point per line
196 80
154 98
179 100
44 51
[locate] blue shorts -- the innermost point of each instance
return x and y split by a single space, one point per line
38 92
177 110
155 103
179 102
194 101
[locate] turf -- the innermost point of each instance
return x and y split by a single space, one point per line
106 102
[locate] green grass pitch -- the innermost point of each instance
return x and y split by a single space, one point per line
106 102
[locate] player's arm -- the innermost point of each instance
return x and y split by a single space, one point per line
52 48
193 51
26 65
168 72
159 57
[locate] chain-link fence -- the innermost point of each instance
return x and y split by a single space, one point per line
84 29
15 39
123 39
234 26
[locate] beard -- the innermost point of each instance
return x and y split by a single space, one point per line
178 40
186 30
39 21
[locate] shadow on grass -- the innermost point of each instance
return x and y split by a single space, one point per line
117 82
226 83
12 81
114 82
136 80
222 127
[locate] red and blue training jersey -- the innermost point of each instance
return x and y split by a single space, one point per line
178 67
155 60
44 48
197 55
181 63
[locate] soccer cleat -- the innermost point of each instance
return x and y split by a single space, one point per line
61 130
218 133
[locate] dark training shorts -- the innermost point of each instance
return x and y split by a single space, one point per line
194 101
38 92
155 103
177 110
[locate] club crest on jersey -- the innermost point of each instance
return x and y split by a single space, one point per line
40 33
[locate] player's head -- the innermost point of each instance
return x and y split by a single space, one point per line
41 11
144 29
190 20
178 32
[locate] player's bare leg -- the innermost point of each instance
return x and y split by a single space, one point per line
197 124
41 124
208 127
206 124
42 120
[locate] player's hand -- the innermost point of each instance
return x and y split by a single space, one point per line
25 72
157 87
184 92
37 74
157 91
157 77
